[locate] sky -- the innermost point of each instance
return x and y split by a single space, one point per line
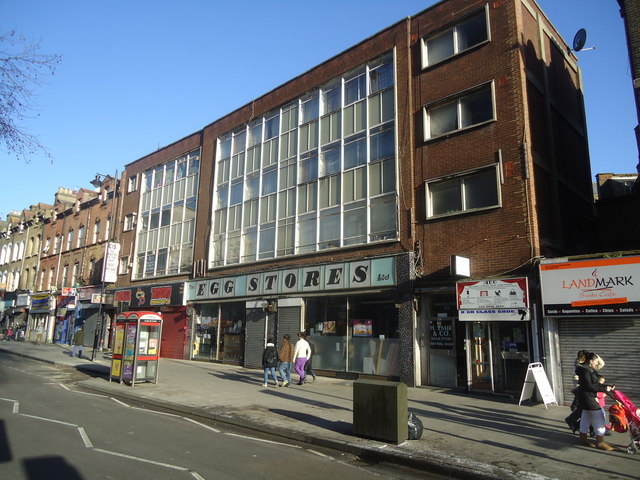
138 75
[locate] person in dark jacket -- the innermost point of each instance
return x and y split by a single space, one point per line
589 384
573 420
270 362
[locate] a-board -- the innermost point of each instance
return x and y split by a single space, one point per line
536 376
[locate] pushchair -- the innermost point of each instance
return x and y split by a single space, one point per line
625 417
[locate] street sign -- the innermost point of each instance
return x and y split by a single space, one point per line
111 259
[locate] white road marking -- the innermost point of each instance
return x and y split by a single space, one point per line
85 438
118 401
48 420
16 404
65 387
262 440
143 460
202 425
197 476
320 454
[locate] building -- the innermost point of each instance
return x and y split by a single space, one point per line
335 203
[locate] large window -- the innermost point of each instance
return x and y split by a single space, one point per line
468 109
475 190
166 227
466 34
317 173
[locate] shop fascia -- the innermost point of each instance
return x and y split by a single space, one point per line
373 273
592 287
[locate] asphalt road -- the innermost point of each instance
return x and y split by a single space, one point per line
50 429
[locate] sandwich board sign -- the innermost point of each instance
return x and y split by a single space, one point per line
536 376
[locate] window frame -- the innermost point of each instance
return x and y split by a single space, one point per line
452 27
460 176
457 97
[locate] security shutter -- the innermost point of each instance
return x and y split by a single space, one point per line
288 322
616 340
254 340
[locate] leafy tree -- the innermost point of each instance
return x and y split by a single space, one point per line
21 70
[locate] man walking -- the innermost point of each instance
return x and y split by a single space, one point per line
286 358
78 342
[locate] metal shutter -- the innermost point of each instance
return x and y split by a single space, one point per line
254 340
288 322
616 340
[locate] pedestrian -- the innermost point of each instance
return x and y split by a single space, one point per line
308 368
573 420
270 362
39 334
21 334
589 385
286 358
9 334
78 342
600 396
300 355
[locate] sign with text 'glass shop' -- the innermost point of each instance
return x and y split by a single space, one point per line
379 272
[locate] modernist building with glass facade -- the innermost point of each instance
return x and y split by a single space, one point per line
334 203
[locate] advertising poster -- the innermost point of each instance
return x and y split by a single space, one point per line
362 328
115 367
119 340
330 326
129 352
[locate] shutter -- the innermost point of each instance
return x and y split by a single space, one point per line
254 340
616 340
288 322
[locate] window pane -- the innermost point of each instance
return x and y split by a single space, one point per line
239 142
354 89
330 228
307 234
481 190
330 159
269 182
445 197
472 32
267 241
382 142
355 152
251 213
331 97
236 194
443 119
272 127
249 246
310 109
381 77
225 148
251 188
440 47
383 217
308 168
476 108
355 225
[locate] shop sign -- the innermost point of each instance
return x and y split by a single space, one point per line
67 302
150 295
441 334
604 286
350 275
111 258
504 299
22 300
86 294
40 303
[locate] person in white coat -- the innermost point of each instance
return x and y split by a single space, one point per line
301 354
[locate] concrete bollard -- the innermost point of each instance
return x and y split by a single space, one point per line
380 410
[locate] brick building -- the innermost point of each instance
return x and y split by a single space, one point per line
334 204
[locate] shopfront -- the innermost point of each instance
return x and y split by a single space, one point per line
167 299
355 315
592 304
65 316
41 320
495 315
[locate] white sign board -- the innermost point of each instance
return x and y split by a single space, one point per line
503 299
602 286
536 376
111 259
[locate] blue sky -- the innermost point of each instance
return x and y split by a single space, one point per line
138 75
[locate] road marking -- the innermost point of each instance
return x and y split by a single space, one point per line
197 476
85 438
143 460
118 401
65 387
16 404
202 425
319 454
49 420
262 440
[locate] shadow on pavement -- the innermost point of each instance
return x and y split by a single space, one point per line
339 426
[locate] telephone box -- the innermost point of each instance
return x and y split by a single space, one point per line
136 349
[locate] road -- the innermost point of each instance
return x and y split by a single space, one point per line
50 429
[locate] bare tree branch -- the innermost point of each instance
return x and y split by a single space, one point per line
21 70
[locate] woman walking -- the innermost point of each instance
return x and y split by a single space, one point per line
300 355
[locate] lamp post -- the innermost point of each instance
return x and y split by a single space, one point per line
109 253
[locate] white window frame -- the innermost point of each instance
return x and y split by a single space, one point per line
132 185
460 177
454 31
457 98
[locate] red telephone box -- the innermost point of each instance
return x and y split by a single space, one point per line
136 348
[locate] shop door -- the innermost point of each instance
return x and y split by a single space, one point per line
442 352
480 369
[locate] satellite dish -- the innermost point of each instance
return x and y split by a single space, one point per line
579 40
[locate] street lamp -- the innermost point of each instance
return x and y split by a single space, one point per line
109 254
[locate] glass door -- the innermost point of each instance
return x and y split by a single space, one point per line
479 356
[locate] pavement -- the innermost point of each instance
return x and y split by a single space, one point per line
466 436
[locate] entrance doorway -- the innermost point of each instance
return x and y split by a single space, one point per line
479 356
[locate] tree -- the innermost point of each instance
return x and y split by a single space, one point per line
21 70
